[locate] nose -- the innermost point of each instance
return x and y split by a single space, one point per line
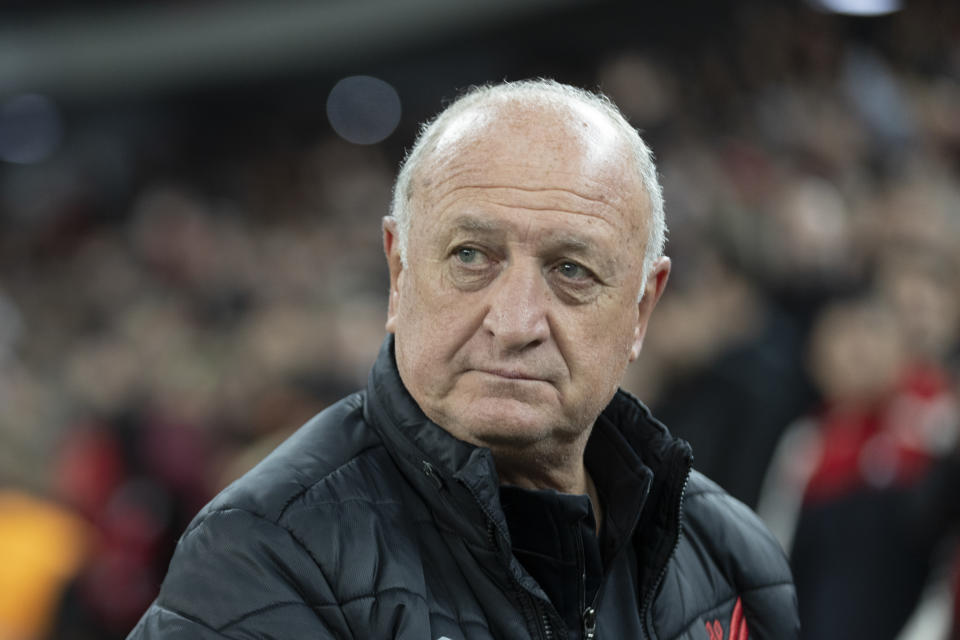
516 317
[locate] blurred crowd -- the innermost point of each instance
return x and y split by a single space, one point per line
161 330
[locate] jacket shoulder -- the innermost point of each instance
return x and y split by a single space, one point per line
335 437
726 559
733 535
292 543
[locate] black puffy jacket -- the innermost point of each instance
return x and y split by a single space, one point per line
371 522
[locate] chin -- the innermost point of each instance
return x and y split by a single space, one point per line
504 423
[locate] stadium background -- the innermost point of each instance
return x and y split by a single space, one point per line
190 260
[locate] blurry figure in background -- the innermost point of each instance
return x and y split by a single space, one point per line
921 283
921 286
863 491
748 311
736 378
136 480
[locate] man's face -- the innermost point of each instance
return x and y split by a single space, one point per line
517 312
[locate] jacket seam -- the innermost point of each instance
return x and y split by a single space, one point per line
265 609
326 503
293 537
317 605
335 602
193 619
226 509
707 492
277 523
769 585
304 489
312 605
367 596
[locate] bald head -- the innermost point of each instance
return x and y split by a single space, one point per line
538 118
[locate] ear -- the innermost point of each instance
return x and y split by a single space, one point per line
391 247
656 283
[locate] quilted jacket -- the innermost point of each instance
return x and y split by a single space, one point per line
372 522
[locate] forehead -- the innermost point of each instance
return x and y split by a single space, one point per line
567 158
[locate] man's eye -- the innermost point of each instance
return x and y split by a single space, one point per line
572 270
469 255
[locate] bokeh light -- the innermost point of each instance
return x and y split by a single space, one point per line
30 129
363 109
858 7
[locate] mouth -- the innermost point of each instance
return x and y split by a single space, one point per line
512 374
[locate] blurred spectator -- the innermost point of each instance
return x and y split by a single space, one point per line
137 479
862 491
734 373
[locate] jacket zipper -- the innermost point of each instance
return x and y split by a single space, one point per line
588 613
648 598
544 628
590 623
431 473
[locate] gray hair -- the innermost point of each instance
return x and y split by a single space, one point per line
541 91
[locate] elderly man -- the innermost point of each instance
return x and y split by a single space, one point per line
491 481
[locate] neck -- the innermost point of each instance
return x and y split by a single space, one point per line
561 471
542 464
571 477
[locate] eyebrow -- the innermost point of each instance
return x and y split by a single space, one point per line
467 222
570 242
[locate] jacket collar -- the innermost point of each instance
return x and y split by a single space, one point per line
657 531
459 480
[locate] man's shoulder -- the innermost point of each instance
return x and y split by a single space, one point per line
732 535
328 448
727 561
297 537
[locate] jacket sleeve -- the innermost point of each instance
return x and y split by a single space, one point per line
237 575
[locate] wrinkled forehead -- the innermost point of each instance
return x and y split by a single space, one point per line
565 156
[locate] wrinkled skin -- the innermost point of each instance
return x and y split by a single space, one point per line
517 312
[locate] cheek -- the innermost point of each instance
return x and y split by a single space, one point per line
601 343
431 320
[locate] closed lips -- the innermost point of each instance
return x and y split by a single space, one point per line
513 375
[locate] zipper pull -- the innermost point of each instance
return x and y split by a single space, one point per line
432 473
589 623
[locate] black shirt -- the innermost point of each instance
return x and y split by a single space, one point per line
554 537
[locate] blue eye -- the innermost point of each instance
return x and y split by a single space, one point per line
467 255
572 270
